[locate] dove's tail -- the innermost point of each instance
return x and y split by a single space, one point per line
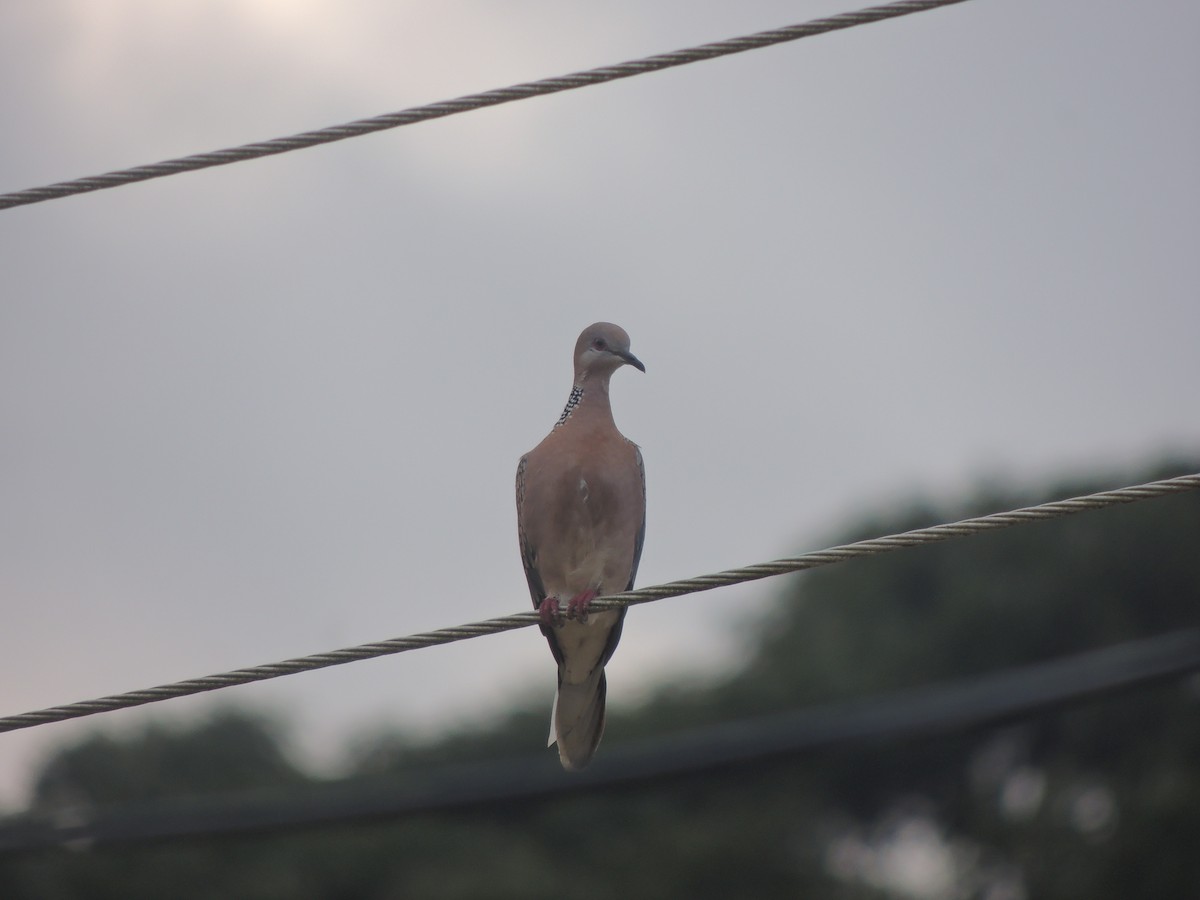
577 722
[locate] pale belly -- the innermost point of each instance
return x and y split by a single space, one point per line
582 644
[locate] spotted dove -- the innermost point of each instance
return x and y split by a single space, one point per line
581 518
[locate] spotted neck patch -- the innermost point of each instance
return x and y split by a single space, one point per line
572 402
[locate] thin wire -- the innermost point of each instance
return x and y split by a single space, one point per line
469 102
918 537
932 711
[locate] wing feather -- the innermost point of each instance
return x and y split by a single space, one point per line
537 590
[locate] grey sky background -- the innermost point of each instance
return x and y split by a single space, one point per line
274 408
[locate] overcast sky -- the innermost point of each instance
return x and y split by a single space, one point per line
276 407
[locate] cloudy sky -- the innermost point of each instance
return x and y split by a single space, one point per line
274 408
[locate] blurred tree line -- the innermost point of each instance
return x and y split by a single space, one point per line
1101 800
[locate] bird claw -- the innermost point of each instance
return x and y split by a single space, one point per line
549 614
577 608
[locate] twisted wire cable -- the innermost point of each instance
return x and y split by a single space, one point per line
468 102
747 745
918 537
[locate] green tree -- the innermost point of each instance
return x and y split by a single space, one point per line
1101 800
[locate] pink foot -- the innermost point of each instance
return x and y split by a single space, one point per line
548 612
578 607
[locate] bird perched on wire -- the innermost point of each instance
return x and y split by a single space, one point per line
581 519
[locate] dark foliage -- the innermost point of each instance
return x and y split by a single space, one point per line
1101 800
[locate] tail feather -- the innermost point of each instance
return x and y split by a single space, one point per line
577 722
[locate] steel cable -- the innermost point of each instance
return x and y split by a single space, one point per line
931 711
469 102
918 537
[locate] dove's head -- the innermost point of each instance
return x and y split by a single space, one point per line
601 350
